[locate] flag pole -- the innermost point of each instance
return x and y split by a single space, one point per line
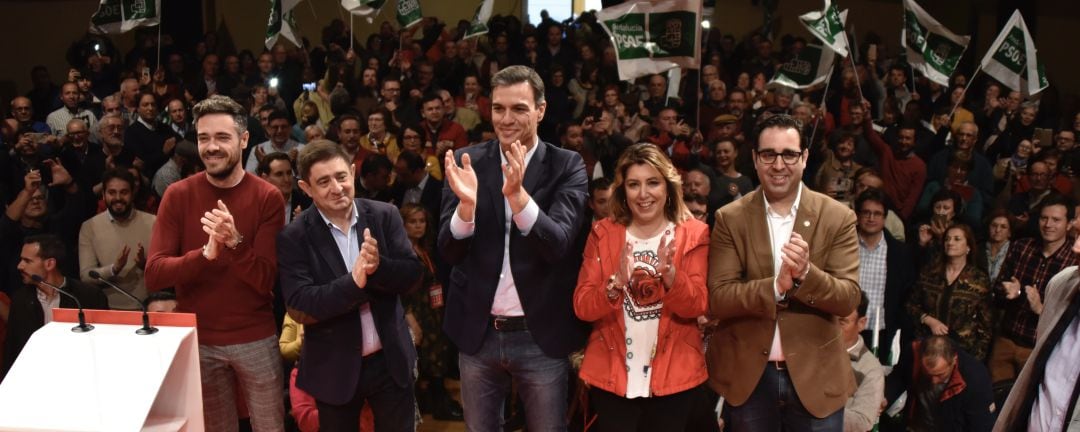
821 106
351 35
854 68
161 14
964 95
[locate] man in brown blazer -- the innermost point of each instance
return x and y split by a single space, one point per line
1037 403
783 265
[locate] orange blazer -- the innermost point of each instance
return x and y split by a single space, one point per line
741 297
679 363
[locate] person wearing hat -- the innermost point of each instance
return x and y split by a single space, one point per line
184 162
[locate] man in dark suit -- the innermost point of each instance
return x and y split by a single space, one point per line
151 143
32 304
414 185
510 213
783 266
343 265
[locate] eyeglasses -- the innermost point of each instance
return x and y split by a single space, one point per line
870 214
768 157
20 108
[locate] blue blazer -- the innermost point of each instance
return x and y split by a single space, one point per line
317 284
541 262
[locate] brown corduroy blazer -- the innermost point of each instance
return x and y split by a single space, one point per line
742 298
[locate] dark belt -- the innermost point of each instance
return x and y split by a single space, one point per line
778 365
508 323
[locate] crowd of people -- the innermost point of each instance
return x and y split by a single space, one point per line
354 227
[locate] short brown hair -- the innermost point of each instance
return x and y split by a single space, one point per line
218 104
648 154
315 152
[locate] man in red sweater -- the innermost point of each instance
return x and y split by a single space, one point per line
904 173
214 242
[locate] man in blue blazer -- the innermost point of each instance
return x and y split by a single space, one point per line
508 232
343 265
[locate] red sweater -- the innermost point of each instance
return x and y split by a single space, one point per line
231 296
903 178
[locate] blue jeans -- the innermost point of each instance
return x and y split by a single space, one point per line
487 374
774 404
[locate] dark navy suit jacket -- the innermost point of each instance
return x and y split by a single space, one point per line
317 284
541 262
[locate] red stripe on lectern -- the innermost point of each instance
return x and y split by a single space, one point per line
94 316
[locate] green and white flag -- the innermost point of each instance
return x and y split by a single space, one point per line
811 67
281 23
367 9
408 12
932 49
1012 60
828 26
652 37
480 19
119 16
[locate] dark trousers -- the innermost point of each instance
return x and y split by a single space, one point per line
659 413
774 406
394 407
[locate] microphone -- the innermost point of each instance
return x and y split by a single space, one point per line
83 327
146 329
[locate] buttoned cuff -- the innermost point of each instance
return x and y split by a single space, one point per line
461 229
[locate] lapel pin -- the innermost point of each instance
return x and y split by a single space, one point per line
806 223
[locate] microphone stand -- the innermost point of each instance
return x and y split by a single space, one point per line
83 327
146 329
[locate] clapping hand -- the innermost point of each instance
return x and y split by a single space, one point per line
462 181
514 173
666 254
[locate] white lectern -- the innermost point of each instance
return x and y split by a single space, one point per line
108 379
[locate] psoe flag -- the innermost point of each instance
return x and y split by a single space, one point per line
119 16
368 9
653 37
932 49
1012 60
408 12
828 26
281 23
811 67
480 19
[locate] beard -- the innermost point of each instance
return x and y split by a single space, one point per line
229 165
123 213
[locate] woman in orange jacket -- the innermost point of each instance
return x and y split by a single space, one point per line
642 286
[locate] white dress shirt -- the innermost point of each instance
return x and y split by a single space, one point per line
507 302
780 228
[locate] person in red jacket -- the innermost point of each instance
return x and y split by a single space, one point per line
642 286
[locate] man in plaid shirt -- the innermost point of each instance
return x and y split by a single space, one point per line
1028 267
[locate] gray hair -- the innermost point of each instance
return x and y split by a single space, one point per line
512 75
218 104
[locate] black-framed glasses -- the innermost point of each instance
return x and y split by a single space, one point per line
768 157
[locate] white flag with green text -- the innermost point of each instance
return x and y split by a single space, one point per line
828 26
119 16
652 37
281 23
1012 60
932 49
811 67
